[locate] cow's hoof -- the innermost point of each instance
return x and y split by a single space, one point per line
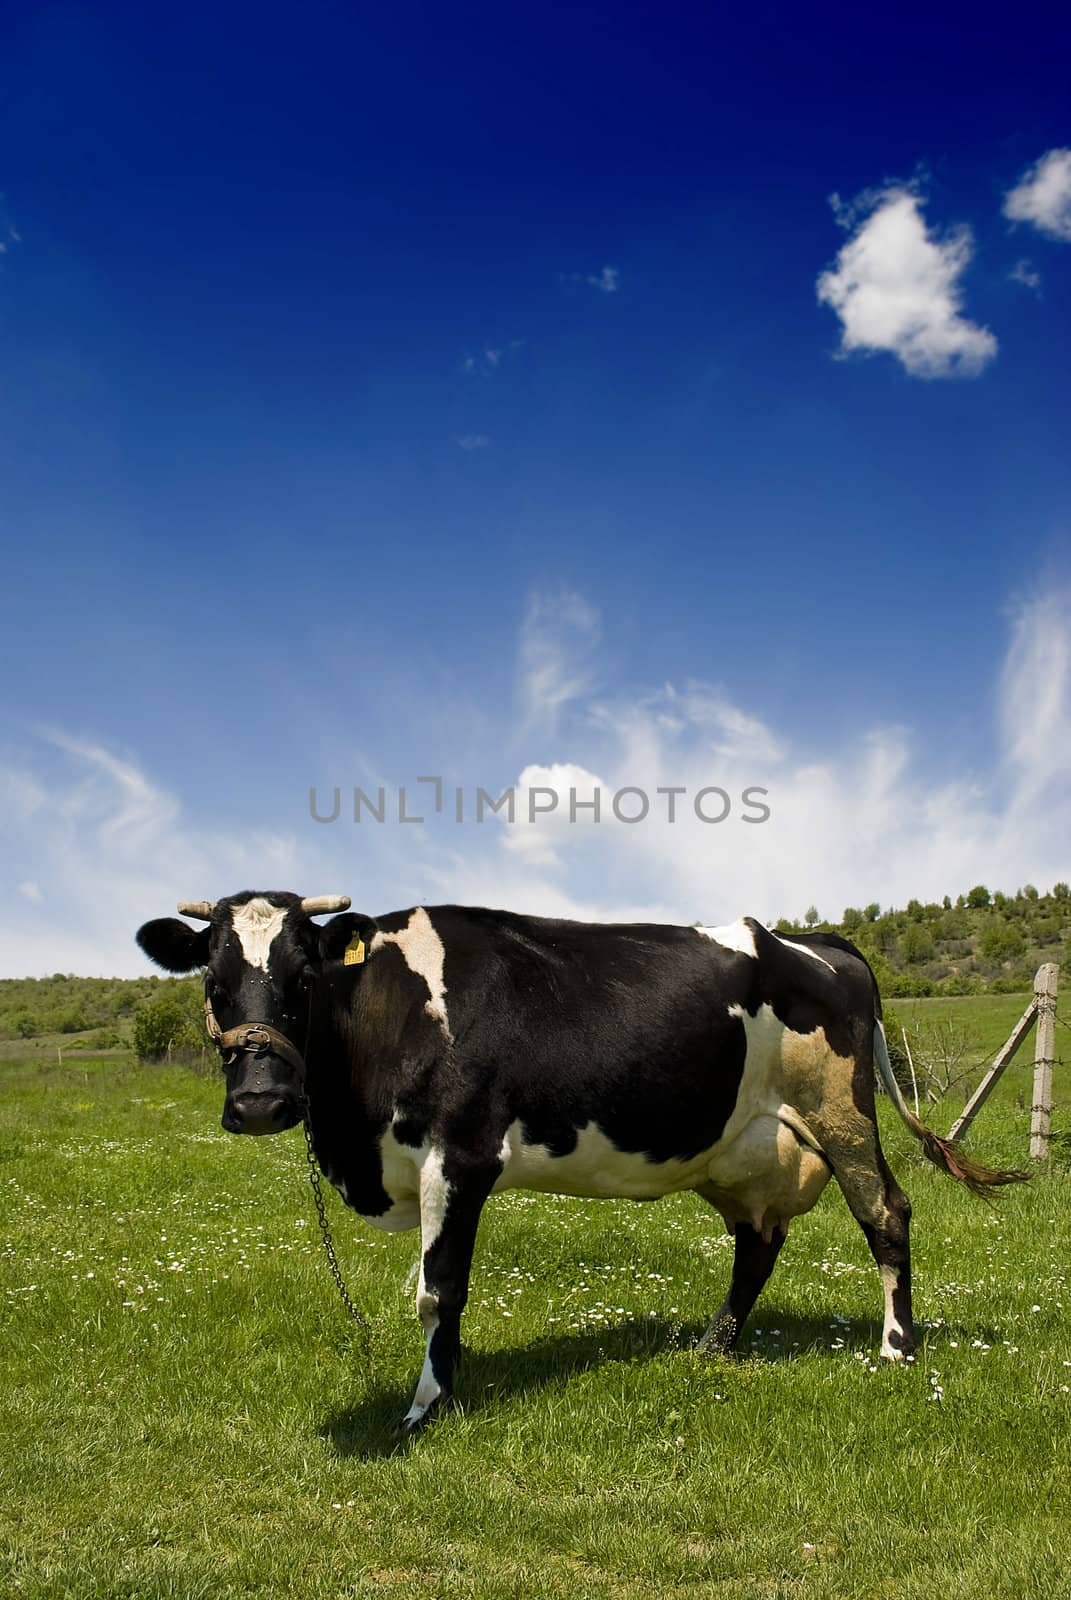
416 1420
720 1336
897 1347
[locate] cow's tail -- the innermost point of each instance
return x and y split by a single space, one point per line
942 1152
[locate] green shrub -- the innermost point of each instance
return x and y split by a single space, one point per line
962 983
916 944
170 1025
105 1039
1003 941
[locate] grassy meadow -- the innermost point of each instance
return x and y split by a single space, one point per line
187 1413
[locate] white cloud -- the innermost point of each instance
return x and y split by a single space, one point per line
1042 197
110 849
558 637
606 281
731 731
1026 273
896 287
473 441
866 818
570 790
1035 704
487 361
9 235
852 823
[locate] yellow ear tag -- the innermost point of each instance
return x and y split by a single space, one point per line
353 954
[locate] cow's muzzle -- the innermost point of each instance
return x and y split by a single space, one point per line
260 1111
268 1079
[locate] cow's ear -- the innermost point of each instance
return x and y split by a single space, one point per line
174 945
343 931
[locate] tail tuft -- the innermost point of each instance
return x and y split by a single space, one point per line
945 1155
951 1158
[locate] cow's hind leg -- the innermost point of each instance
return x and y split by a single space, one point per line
883 1211
449 1217
753 1262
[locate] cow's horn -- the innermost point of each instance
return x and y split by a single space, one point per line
201 909
315 904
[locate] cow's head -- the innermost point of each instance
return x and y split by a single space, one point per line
262 955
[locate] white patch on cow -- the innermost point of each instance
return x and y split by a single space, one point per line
256 924
427 1389
400 1166
434 1199
595 1168
805 950
423 953
766 1168
733 936
890 1278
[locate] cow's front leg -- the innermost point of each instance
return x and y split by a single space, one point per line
450 1207
752 1264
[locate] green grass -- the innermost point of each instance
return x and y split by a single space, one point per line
989 1018
187 1413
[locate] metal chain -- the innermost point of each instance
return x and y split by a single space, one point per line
332 1259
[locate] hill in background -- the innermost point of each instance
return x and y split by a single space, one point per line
979 943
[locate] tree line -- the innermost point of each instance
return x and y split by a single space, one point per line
982 942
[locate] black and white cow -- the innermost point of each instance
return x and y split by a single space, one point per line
446 1053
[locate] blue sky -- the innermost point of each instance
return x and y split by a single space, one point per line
503 394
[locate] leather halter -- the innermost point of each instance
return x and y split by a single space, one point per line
255 1037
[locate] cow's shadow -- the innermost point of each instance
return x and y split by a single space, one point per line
488 1377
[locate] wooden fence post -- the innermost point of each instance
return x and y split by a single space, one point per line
1044 1051
1003 1056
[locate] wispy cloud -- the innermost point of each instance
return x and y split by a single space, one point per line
110 848
9 234
869 818
1035 702
473 441
606 281
556 654
896 287
1042 197
1026 273
487 361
